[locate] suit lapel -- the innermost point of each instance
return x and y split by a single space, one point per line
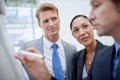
68 55
99 46
108 59
66 49
80 64
40 45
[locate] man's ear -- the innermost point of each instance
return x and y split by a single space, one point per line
118 8
39 24
73 34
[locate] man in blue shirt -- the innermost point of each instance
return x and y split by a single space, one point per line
105 15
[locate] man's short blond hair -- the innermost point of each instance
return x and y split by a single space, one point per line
45 7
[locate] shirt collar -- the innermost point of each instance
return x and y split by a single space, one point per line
49 43
117 46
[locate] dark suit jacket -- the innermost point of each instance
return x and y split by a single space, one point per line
70 51
102 69
79 60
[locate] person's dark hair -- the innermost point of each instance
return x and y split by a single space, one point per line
77 17
117 4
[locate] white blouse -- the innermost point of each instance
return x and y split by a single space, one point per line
85 74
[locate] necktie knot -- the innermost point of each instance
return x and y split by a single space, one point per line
55 46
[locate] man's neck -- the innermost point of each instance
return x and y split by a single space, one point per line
52 38
91 47
117 38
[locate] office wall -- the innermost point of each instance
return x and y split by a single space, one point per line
67 10
30 28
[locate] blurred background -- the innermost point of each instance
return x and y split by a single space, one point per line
22 25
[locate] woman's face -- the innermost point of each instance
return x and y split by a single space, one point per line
82 30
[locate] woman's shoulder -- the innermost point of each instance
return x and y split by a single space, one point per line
81 53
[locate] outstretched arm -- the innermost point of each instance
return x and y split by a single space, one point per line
35 65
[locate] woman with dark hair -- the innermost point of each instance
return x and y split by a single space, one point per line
82 31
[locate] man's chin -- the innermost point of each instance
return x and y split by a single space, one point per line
100 33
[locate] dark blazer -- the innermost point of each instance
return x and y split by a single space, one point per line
102 69
79 60
69 49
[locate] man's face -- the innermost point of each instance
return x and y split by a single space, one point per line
104 16
49 22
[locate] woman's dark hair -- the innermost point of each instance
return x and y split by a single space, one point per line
77 17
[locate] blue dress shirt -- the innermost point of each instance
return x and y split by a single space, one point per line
115 59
